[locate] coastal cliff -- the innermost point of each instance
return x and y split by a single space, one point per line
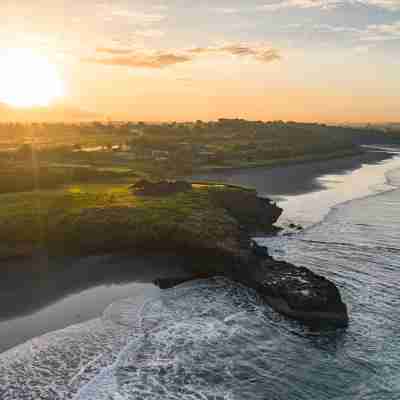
210 225
294 291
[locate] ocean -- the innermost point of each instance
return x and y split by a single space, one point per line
213 339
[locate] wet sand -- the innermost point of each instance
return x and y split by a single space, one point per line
41 295
293 179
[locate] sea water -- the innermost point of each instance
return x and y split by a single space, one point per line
212 339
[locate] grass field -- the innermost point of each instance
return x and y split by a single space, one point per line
170 150
100 218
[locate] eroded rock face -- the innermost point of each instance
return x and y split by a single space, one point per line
294 291
252 212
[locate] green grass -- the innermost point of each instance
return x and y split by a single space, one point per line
229 143
27 176
100 218
281 161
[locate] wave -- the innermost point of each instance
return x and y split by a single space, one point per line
213 339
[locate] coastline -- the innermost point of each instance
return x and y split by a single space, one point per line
133 278
73 290
293 179
337 189
306 191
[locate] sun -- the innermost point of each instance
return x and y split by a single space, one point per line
28 79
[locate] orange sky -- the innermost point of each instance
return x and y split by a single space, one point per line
323 60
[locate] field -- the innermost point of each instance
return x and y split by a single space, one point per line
67 188
85 219
51 155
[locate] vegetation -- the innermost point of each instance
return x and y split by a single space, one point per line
67 188
103 218
50 155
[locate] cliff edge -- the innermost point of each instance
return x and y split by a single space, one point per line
209 224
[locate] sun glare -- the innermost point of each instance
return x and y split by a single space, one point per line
28 79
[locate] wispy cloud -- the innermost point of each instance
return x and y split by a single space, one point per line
161 59
141 17
140 60
381 32
275 5
370 33
260 53
113 11
392 5
111 50
226 10
149 33
335 29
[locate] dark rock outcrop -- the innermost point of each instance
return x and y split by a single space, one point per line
294 291
296 227
161 188
259 251
254 213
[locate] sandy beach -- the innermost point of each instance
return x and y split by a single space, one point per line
48 294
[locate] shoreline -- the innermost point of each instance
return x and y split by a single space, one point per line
339 189
73 290
279 181
10 319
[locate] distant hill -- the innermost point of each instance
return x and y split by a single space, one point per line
55 113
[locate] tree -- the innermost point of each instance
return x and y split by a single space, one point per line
25 151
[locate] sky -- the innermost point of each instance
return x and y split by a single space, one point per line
156 60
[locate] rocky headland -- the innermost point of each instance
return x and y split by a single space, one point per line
294 291
210 225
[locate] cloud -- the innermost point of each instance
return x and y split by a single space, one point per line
226 10
381 32
260 53
276 5
111 50
370 33
141 59
392 5
149 33
141 17
110 12
326 28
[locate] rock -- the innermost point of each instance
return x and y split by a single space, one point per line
259 251
297 227
294 291
162 188
252 212
167 283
